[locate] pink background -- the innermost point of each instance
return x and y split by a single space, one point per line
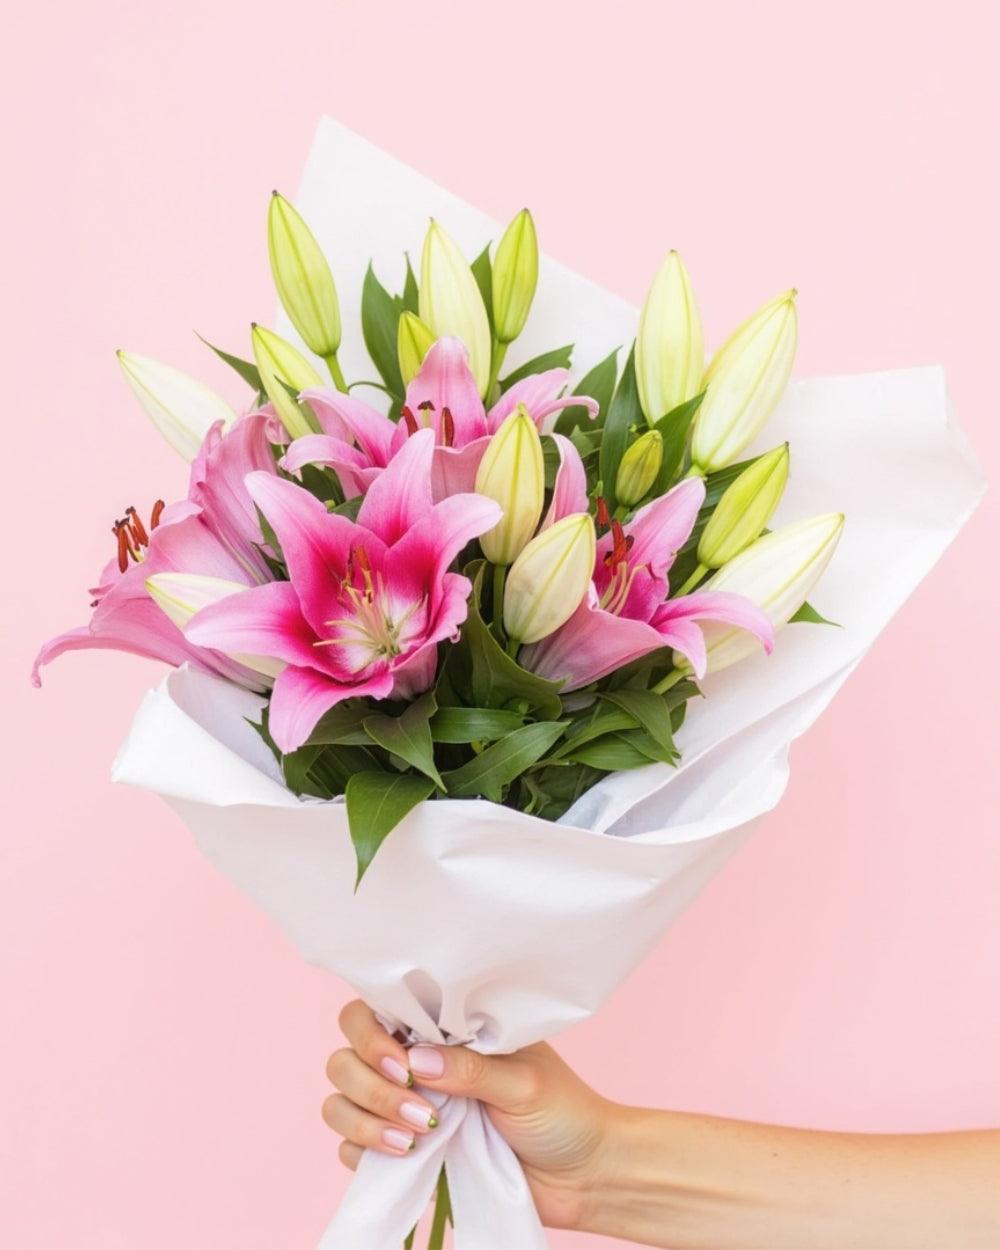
163 1048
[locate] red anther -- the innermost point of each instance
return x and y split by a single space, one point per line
409 419
137 527
603 516
621 545
154 517
447 428
364 564
123 548
425 406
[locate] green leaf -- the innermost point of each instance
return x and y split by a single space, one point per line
376 803
599 384
496 679
499 764
558 358
613 753
623 414
482 271
343 723
652 712
472 724
408 736
379 325
296 768
411 295
808 613
245 368
674 428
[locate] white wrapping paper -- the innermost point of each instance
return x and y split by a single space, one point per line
483 925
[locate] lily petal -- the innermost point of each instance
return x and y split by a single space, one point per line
569 494
266 620
401 494
302 695
352 419
661 528
445 381
671 620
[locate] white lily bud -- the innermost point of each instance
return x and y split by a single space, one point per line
639 468
279 362
512 472
181 408
180 595
777 573
303 279
745 509
413 341
548 580
744 382
451 303
515 277
670 346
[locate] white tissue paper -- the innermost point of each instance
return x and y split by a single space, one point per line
482 925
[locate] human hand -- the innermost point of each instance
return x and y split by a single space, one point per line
556 1125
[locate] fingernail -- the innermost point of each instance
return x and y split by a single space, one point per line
395 1071
427 1062
396 1139
417 1115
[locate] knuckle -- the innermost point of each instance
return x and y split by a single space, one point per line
471 1067
531 1083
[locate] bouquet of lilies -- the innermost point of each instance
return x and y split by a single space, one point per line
434 652
499 588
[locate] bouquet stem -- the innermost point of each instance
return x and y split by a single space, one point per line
442 1214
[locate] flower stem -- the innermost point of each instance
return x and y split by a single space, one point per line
442 1214
333 364
513 646
499 579
695 471
671 679
692 581
496 360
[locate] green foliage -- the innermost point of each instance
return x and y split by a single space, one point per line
380 313
376 803
599 384
558 358
624 414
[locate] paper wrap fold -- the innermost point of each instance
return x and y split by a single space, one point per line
477 923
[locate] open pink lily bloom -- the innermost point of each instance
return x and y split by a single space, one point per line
213 532
358 441
367 601
626 613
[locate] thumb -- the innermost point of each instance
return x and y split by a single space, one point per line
508 1082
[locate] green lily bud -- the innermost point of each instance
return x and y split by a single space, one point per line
515 276
512 472
669 347
639 468
181 408
413 341
745 509
451 303
279 362
777 573
744 382
303 279
180 595
548 580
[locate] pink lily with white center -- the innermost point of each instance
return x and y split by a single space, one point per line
213 533
367 601
358 441
627 614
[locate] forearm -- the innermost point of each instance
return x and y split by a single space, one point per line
695 1182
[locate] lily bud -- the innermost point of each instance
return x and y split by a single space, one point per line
180 595
182 409
450 301
302 277
639 468
548 580
745 381
515 276
413 341
777 573
670 346
279 362
745 509
512 472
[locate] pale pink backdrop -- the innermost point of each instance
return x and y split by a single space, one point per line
163 1047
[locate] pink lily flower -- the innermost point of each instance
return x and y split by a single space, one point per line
367 601
213 532
627 614
358 441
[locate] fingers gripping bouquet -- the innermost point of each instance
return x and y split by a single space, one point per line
437 653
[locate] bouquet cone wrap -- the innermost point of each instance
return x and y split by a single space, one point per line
482 925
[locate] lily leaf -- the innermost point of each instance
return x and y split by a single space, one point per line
652 711
808 613
411 294
408 736
473 724
674 428
376 803
343 723
379 326
623 414
482 271
599 384
499 764
247 370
